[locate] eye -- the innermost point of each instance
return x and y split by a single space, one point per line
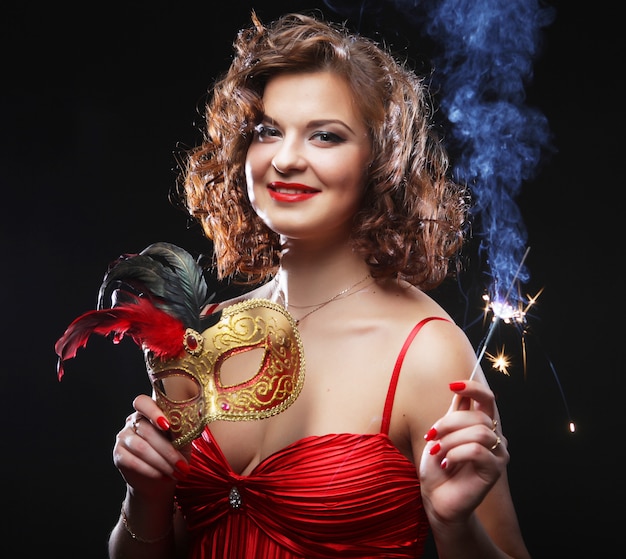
328 137
264 132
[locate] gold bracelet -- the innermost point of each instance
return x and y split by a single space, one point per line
138 538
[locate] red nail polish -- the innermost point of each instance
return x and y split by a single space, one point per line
457 386
444 463
163 423
182 467
432 434
434 449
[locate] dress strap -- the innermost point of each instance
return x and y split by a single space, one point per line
384 427
209 310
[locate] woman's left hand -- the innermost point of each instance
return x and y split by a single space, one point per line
464 456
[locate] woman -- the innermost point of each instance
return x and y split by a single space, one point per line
321 182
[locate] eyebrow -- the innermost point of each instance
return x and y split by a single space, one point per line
318 123
313 123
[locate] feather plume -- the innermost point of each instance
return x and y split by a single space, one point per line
151 297
166 272
140 320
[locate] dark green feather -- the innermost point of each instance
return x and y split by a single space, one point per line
166 273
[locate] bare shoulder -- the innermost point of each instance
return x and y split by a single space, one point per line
439 342
439 353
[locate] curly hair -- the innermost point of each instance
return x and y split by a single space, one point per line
412 218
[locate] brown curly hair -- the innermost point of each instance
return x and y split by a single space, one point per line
412 218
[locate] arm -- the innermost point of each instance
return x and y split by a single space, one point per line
462 474
149 525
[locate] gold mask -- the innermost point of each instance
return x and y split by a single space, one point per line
265 374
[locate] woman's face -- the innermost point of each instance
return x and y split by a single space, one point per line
306 166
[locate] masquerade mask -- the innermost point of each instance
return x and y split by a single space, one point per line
244 362
194 389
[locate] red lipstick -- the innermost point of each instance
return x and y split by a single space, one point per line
290 192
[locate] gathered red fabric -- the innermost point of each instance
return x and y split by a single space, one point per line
336 495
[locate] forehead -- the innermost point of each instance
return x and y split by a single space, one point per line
320 94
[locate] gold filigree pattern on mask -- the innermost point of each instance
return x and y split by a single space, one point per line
202 386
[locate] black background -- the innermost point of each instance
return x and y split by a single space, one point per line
96 100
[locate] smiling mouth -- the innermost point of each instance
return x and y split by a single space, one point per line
291 192
291 188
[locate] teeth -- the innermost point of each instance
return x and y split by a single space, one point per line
291 191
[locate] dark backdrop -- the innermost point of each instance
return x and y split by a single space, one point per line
95 102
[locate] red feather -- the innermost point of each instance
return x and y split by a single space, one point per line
141 320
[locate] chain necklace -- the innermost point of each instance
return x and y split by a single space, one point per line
321 305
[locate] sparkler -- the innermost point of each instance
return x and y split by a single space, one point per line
503 311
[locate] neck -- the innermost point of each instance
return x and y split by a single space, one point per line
310 278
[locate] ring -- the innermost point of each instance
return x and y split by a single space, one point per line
495 445
495 424
136 424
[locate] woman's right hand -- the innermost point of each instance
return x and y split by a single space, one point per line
143 453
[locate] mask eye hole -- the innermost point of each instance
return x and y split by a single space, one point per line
241 365
176 386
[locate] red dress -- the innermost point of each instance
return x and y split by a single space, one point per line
343 495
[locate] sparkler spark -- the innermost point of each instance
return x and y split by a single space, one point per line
500 361
502 306
502 310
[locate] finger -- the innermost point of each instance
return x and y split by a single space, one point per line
474 394
133 455
494 446
487 453
459 402
478 433
147 407
460 426
148 444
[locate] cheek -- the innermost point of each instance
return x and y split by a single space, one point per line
254 177
257 162
255 184
350 176
347 169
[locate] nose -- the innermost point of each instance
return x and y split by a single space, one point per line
288 157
